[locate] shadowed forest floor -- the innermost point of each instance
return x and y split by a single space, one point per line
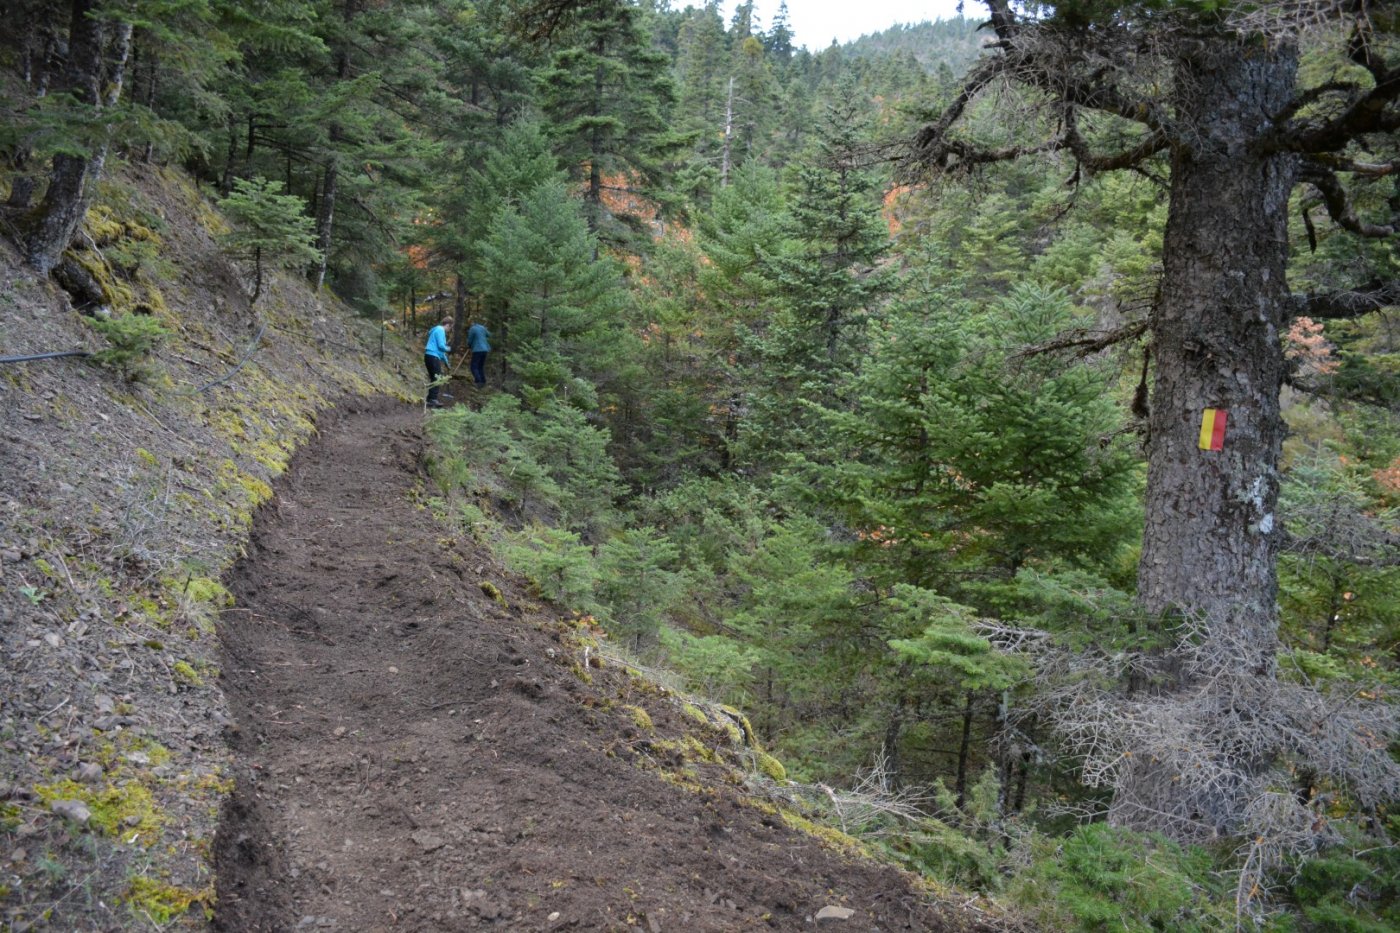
416 755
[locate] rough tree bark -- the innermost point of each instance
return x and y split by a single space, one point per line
96 66
1211 537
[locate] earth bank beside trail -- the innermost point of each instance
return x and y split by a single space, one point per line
421 747
124 496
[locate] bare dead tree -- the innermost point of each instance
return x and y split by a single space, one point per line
1261 761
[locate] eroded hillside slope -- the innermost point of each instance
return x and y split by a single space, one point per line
121 504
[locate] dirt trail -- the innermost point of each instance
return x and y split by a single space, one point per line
416 756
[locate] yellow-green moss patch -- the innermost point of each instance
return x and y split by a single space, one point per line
770 766
641 718
117 809
163 902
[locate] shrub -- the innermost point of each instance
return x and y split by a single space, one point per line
131 339
1104 878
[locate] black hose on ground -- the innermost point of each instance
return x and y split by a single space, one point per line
43 356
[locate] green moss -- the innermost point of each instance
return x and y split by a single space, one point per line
146 457
742 722
832 837
492 591
125 809
641 718
116 294
770 766
208 590
183 671
103 226
163 902
695 713
688 748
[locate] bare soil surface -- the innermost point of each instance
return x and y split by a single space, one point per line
417 755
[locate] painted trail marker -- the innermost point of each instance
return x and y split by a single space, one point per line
1213 428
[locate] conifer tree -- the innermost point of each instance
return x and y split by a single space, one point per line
269 229
91 84
827 288
609 96
539 261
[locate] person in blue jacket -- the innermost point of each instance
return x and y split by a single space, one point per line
479 341
435 358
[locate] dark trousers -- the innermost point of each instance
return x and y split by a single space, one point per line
436 368
479 366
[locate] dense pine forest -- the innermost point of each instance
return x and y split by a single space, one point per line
1000 412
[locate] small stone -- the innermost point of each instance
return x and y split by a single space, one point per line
53 639
10 556
428 840
18 855
104 703
74 810
89 772
339 731
393 670
553 916
832 914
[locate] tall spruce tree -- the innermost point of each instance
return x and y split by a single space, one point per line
826 288
561 303
609 95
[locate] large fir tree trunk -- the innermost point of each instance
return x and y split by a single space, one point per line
1211 537
94 77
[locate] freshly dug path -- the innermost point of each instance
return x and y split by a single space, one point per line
414 755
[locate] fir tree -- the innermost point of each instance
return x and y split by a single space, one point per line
269 229
609 97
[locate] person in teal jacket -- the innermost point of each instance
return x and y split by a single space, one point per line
435 359
479 342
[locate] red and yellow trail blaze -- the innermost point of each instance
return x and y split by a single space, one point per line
1213 429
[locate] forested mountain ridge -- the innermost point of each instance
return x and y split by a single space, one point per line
1017 442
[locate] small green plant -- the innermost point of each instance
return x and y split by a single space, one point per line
1104 878
268 228
33 594
131 339
183 671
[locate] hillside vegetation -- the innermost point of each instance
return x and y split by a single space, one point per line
1003 421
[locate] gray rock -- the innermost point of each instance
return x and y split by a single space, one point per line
74 810
88 772
831 914
428 840
10 556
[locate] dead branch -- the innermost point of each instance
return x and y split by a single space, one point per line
1085 342
1338 204
1356 303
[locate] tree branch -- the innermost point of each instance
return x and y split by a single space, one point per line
1368 113
1348 304
1150 144
1085 342
1045 62
1339 206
